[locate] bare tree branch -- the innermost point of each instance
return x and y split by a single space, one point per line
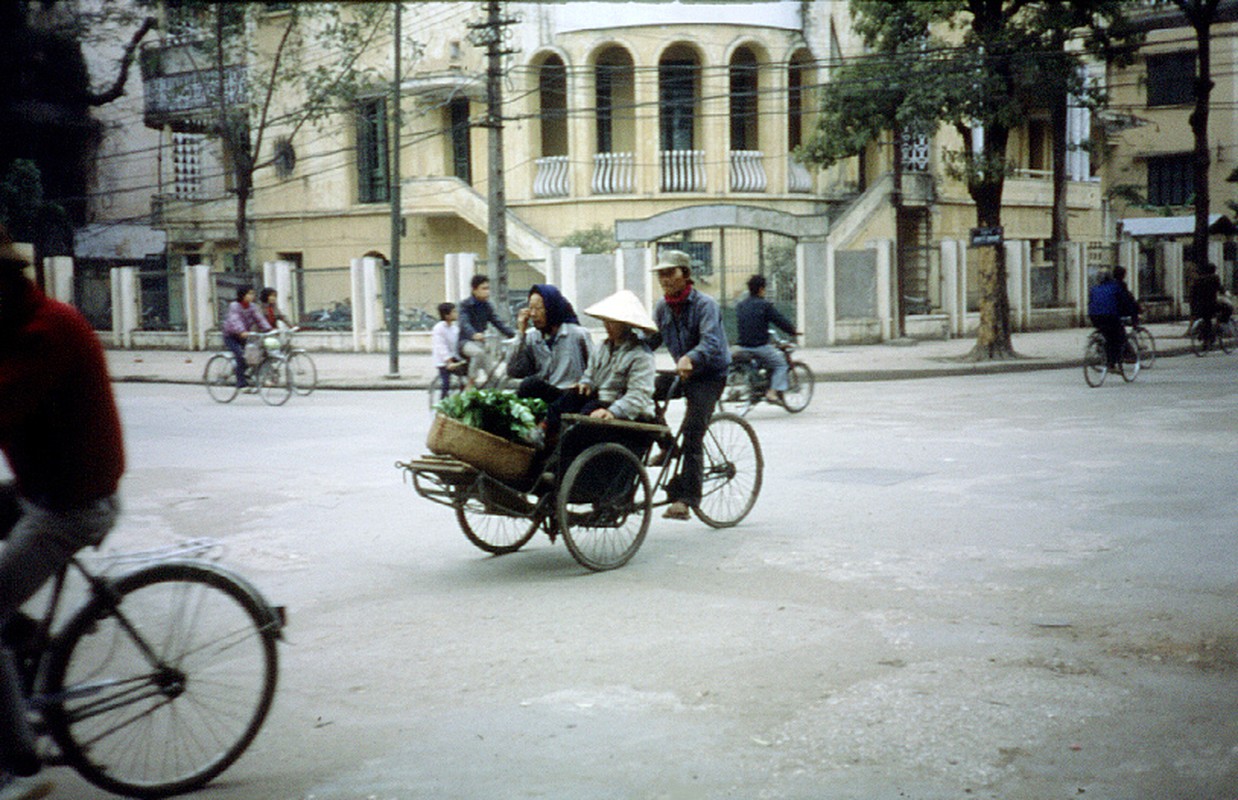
118 87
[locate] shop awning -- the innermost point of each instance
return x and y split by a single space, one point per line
1174 226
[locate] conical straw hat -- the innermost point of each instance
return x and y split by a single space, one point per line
623 306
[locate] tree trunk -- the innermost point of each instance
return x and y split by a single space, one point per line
985 188
1204 10
1059 233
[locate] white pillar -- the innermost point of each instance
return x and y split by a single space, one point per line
58 275
950 286
1076 279
366 303
814 299
885 286
126 313
199 314
569 280
1171 255
831 302
1017 283
458 269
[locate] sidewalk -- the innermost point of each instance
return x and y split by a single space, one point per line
890 361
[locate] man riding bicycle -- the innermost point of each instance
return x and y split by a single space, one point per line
476 314
60 432
1108 302
1206 304
753 317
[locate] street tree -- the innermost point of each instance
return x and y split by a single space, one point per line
976 66
304 65
47 91
1201 14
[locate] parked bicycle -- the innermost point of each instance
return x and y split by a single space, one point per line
268 370
748 382
1096 360
500 350
155 684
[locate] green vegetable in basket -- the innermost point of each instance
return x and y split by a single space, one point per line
502 414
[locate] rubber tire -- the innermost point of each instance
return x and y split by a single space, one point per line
731 451
97 632
1147 346
1224 336
274 382
1131 361
605 546
220 377
737 396
498 534
1095 362
800 383
303 372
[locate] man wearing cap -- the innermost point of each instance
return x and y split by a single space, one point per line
60 432
552 356
690 324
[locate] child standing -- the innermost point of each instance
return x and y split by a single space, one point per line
443 339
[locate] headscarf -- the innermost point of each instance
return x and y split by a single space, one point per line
558 309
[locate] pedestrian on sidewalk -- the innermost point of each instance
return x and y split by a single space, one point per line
690 325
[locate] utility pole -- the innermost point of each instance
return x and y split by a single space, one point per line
397 219
491 34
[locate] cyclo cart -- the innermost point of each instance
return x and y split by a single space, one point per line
593 487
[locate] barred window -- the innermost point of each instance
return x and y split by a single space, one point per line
1171 78
1171 180
372 173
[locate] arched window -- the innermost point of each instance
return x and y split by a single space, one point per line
799 79
552 93
743 74
678 74
615 101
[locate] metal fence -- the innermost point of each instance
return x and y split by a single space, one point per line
922 280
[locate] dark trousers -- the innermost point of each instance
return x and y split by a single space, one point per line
1111 327
237 346
701 396
570 402
444 378
536 387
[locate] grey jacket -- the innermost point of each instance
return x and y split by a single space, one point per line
560 360
623 376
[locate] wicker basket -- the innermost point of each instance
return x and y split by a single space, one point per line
489 453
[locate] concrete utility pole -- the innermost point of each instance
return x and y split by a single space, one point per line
397 219
490 34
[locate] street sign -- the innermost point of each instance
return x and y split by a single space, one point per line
986 237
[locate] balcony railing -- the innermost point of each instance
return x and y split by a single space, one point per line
683 170
799 179
552 177
614 173
182 86
747 171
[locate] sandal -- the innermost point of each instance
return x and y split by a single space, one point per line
677 510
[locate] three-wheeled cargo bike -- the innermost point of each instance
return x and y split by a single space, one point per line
593 487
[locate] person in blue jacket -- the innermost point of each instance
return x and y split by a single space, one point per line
1108 302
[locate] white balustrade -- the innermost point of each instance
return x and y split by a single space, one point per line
683 170
798 177
552 177
747 171
614 173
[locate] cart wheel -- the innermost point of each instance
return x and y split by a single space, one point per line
492 530
732 472
603 506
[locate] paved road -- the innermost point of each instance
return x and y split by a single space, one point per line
1005 586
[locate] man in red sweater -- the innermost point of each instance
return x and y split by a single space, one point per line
60 432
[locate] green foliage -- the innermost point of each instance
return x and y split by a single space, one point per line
591 240
28 217
499 413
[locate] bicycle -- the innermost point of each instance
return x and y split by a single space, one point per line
748 382
154 685
267 372
500 351
1221 336
302 370
1096 360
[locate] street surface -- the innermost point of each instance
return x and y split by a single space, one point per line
1006 586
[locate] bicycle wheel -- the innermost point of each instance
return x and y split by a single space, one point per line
1225 336
737 396
1147 346
303 371
1095 362
160 684
1198 345
733 470
800 382
603 506
1130 361
220 377
496 519
274 381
